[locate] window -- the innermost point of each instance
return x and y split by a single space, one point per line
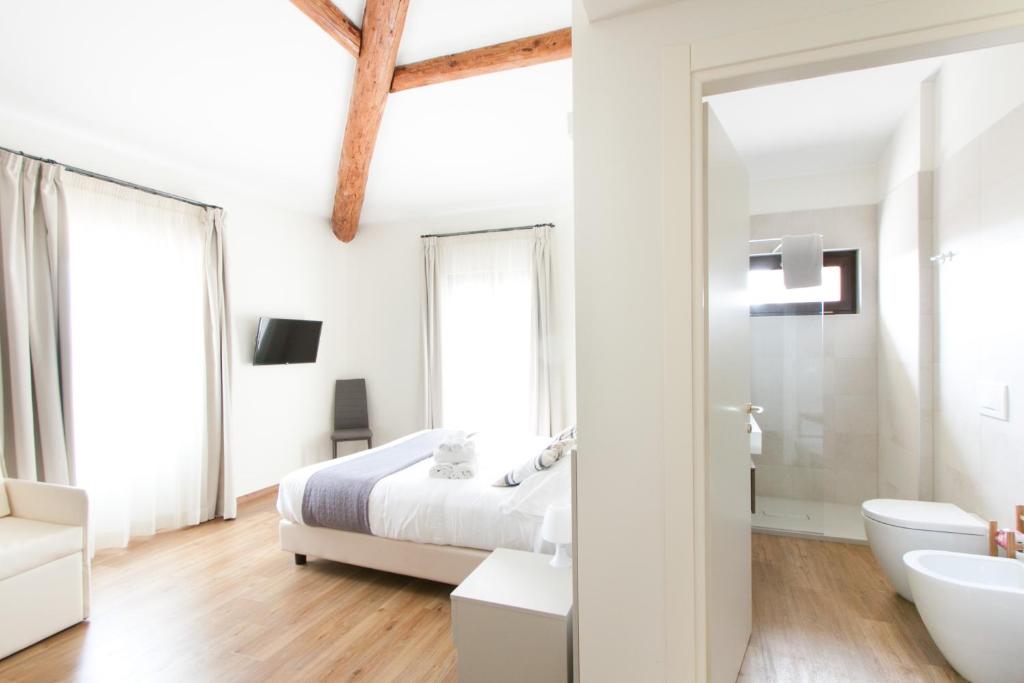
485 321
486 331
839 291
141 331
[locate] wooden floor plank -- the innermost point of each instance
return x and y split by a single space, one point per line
825 612
220 602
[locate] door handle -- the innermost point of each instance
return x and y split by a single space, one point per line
754 410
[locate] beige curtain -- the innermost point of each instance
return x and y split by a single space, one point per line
219 499
540 385
431 336
33 343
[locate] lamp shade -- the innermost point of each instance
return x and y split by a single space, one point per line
557 526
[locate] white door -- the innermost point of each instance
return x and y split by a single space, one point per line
728 353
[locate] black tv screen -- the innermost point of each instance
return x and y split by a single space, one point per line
280 341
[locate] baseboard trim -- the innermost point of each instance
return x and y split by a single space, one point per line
255 495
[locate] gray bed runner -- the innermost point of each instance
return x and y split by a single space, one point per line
338 497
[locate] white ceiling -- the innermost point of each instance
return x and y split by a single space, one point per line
820 125
253 90
602 9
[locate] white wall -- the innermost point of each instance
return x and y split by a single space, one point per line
904 341
905 460
638 610
848 187
976 89
906 153
979 333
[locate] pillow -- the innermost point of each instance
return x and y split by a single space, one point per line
5 509
555 451
534 495
567 433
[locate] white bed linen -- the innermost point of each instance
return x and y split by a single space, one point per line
410 506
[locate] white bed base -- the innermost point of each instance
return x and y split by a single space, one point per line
443 563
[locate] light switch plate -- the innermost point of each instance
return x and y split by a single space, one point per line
993 400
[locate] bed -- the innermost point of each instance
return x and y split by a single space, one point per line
435 529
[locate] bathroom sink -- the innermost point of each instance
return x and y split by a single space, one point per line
755 437
973 607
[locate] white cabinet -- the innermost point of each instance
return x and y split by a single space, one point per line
511 620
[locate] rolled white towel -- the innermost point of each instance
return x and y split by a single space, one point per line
442 470
454 439
464 470
448 453
454 442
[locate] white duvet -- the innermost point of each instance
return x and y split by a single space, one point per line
410 506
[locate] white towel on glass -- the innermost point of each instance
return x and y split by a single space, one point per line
801 260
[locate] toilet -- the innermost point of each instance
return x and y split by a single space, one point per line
895 527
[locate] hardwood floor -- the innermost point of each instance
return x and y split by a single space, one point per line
220 602
824 612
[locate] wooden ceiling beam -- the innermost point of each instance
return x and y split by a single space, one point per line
375 48
383 21
327 16
514 54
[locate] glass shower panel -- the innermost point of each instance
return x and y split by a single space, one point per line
787 376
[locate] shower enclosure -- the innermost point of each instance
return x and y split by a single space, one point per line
787 391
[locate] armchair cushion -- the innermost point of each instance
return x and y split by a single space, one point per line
48 502
27 543
5 508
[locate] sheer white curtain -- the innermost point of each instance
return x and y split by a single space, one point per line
149 364
485 331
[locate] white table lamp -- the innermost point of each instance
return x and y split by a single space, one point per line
557 529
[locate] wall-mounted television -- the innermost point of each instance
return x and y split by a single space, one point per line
280 341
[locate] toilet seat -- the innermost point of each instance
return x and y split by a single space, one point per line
922 515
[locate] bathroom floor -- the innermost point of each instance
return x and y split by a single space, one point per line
823 611
834 521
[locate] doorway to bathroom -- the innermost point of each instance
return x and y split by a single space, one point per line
887 392
884 370
837 282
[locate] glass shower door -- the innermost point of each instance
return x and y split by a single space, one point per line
787 382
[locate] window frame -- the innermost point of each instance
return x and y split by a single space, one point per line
848 261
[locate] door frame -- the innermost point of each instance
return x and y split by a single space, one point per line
864 37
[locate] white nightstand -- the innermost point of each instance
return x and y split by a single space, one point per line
511 620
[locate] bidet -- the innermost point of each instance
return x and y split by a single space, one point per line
973 607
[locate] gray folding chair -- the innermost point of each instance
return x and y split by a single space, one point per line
351 420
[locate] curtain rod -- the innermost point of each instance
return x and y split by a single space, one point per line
484 232
116 181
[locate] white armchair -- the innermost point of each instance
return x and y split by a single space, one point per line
44 561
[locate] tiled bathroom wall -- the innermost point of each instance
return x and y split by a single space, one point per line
820 427
979 215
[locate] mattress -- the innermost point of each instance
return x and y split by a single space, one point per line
410 506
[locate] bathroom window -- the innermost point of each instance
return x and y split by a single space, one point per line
839 292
